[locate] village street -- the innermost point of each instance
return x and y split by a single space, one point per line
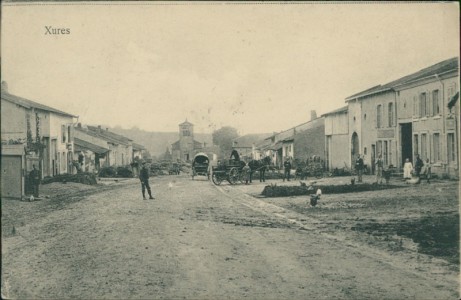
200 241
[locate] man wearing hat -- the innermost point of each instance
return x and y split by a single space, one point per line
144 177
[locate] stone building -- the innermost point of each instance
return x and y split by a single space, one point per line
415 114
186 147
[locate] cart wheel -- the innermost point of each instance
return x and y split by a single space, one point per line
242 177
216 179
233 175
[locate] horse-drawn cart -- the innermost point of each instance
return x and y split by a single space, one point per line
232 171
200 165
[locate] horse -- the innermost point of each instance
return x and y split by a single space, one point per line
261 166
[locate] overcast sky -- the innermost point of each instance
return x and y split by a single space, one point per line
256 67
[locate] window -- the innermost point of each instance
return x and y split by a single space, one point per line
390 152
436 147
379 148
415 107
451 147
423 146
385 158
390 114
365 150
378 116
185 132
422 105
415 144
63 132
435 103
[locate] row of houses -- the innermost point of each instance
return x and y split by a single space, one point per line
53 141
415 114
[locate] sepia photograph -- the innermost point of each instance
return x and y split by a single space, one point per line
230 150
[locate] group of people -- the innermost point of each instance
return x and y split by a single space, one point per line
408 169
418 169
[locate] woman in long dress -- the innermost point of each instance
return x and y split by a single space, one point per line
407 168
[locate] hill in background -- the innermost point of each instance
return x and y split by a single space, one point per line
157 142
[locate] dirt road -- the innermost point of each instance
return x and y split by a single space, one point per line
198 241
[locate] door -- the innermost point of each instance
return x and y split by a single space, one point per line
355 147
406 141
373 159
54 156
11 177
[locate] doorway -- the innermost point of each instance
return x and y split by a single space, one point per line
11 176
355 147
406 141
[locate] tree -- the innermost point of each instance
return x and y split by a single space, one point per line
223 138
167 155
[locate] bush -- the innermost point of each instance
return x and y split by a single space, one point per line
107 172
84 178
124 172
286 191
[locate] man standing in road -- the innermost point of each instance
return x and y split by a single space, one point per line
418 165
34 177
287 167
144 177
359 167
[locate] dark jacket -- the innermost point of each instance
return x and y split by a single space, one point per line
287 165
359 164
144 174
35 176
419 163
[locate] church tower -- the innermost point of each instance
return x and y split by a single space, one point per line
186 140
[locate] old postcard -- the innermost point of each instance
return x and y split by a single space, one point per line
230 150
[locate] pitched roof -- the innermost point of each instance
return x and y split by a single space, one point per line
341 110
84 145
373 90
32 104
175 146
197 145
186 123
437 69
106 134
137 146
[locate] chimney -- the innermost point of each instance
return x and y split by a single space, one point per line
4 86
313 115
107 129
79 125
99 128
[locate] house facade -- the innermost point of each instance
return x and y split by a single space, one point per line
427 125
336 137
246 145
120 147
372 126
90 150
34 134
415 114
297 143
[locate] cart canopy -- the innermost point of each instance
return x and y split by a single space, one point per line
201 158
